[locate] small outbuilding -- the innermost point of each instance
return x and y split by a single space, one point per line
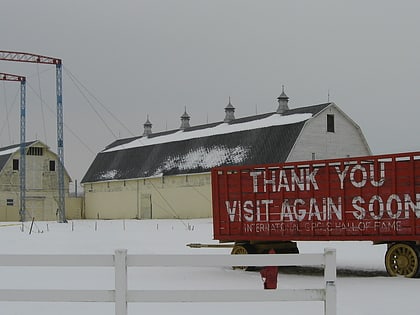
41 183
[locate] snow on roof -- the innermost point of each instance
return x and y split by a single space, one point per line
203 158
110 174
222 128
9 151
200 158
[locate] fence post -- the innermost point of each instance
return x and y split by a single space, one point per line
330 275
120 260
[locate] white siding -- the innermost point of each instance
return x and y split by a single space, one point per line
346 140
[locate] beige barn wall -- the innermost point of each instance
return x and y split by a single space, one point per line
110 205
40 208
74 208
178 196
9 213
9 189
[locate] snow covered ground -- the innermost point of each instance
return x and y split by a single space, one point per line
362 284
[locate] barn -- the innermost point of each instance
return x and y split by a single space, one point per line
167 174
41 184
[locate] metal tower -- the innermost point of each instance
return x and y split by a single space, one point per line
33 58
22 158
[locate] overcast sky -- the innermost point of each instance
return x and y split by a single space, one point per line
154 57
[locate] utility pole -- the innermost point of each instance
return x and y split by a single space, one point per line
22 152
34 58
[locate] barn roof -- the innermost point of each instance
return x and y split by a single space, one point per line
264 138
6 152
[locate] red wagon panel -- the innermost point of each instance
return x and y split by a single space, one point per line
361 198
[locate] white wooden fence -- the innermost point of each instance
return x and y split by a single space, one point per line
121 295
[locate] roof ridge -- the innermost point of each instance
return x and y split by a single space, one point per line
17 145
299 110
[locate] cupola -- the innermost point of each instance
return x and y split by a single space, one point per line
147 127
229 112
283 100
185 120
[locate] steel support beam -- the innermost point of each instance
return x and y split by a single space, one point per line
22 166
27 57
60 145
22 151
34 58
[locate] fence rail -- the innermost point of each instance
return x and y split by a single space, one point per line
121 295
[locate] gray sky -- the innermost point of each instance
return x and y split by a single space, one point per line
155 57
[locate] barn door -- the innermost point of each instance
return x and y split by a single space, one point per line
146 206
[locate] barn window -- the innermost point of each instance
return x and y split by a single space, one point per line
9 202
330 123
35 151
15 164
52 166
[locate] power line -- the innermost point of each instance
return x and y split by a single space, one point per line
65 125
176 216
92 107
76 80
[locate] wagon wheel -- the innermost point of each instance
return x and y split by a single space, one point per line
243 249
402 260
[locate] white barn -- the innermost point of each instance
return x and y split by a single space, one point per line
167 174
41 184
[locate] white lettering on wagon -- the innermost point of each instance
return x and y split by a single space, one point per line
364 175
248 211
296 210
294 195
323 209
377 207
285 179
